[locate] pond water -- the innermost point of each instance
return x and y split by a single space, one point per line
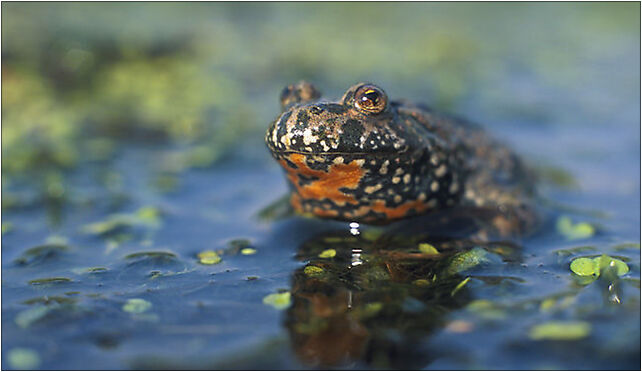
136 189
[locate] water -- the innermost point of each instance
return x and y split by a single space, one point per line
127 156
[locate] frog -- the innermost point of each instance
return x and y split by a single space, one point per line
368 159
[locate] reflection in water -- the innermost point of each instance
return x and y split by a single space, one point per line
368 299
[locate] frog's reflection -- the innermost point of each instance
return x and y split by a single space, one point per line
368 300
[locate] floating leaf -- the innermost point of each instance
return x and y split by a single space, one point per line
372 308
278 301
151 254
576 231
575 250
466 260
547 304
89 270
459 286
145 217
54 280
421 282
428 248
313 270
563 331
27 317
328 253
137 305
23 358
248 251
584 266
6 227
41 253
209 258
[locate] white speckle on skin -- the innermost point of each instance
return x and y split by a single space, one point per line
384 167
396 180
441 171
406 178
308 138
399 171
454 187
360 162
434 186
422 196
434 160
397 198
338 160
371 189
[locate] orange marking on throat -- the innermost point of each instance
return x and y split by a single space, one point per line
399 211
327 185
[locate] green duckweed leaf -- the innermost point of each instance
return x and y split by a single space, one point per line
23 358
428 248
421 282
459 286
6 227
313 270
137 305
278 301
372 308
562 331
585 266
54 280
571 231
248 251
29 316
328 253
209 258
466 260
41 253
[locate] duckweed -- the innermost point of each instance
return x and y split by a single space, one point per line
54 280
328 253
313 270
209 258
467 260
29 316
427 248
459 286
571 231
278 301
248 251
137 305
592 266
23 359
41 254
560 331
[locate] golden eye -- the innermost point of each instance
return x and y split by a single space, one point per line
370 99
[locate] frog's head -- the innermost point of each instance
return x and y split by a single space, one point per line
355 159
361 122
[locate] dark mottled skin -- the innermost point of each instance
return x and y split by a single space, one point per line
368 159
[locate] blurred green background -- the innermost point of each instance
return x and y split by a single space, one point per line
79 78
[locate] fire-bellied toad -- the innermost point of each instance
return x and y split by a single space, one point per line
369 159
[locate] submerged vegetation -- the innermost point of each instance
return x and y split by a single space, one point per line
134 175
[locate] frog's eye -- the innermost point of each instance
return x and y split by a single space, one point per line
370 99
